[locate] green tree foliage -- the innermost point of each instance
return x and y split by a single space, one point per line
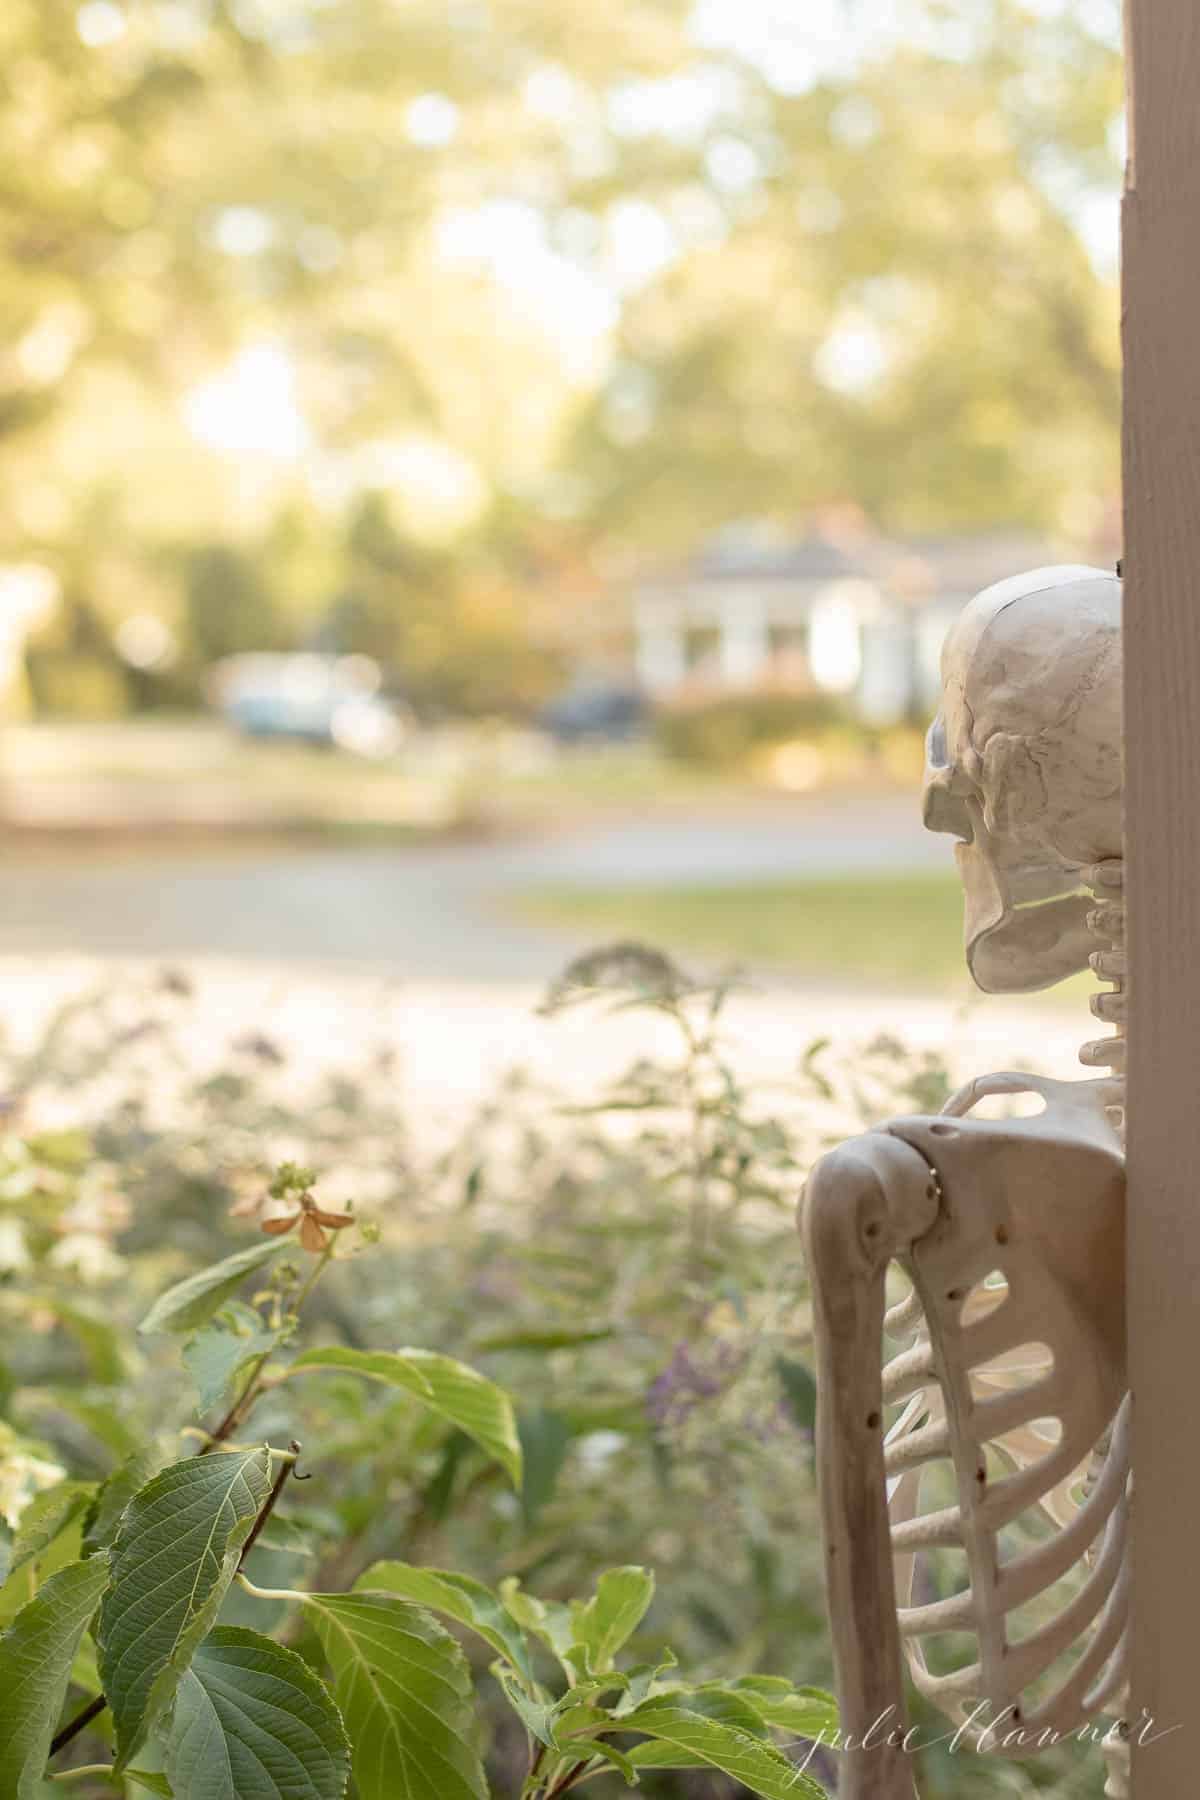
597 279
894 305
228 605
451 622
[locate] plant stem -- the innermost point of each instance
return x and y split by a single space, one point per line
248 1587
242 1406
84 1770
269 1504
569 1779
91 1711
537 1757
319 1267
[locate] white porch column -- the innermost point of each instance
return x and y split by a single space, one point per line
745 649
660 646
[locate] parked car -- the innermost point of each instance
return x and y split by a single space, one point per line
330 701
595 711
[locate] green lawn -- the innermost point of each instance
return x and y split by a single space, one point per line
902 932
905 929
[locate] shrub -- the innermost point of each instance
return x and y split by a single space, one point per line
609 1292
725 731
120 1585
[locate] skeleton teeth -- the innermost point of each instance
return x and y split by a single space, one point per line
1106 921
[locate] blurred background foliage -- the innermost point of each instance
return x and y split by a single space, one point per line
625 1263
414 330
407 329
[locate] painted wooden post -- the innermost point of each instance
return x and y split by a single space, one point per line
1162 708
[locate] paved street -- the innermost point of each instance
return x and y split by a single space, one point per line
425 912
333 951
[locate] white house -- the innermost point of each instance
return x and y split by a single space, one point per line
850 613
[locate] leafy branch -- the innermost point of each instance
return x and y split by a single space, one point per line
161 1550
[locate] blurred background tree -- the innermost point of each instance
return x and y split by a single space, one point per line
400 327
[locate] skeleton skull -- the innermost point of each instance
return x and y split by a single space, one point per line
1023 766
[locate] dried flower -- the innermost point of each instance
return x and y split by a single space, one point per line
313 1223
624 969
260 1048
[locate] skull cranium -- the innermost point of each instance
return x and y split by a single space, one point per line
1023 766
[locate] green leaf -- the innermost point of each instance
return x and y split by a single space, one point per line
98 1338
581 1709
47 1515
36 1653
547 1619
640 1679
545 1439
439 1491
404 1689
800 1390
107 1418
155 1783
698 1741
545 1338
449 1388
84 1671
803 1712
174 1557
18 1590
613 1614
713 1700
193 1302
221 1350
252 1722
459 1597
718 1700
286 1535
104 1514
535 1715
609 1753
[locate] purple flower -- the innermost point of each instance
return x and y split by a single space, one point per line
685 1383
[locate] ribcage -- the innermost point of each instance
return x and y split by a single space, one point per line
1007 1433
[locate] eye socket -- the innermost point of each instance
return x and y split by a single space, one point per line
935 745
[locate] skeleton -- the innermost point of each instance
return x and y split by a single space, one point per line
994 1445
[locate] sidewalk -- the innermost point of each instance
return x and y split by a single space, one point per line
455 1041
